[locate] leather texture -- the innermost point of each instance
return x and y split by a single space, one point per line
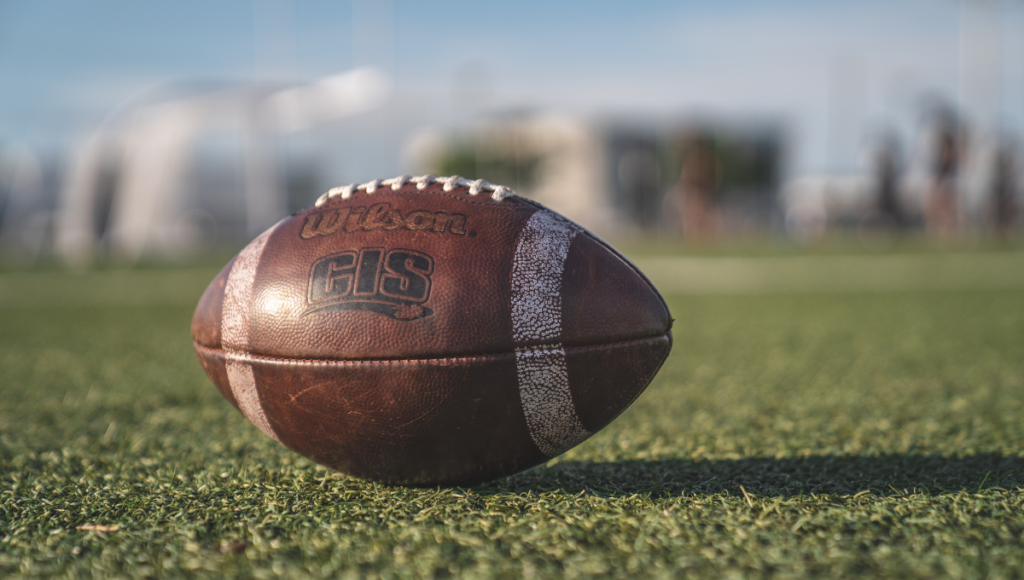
378 334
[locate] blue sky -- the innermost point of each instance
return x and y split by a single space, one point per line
833 71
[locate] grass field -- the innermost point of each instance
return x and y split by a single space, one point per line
805 425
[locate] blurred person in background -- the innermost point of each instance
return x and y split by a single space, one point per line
887 174
1004 192
694 192
942 213
885 218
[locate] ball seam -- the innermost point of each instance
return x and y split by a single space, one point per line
484 357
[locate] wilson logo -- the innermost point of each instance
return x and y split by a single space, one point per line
394 283
380 216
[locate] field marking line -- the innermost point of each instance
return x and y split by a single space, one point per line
834 274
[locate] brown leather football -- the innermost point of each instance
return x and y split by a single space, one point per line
430 331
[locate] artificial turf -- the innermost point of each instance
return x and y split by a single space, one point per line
790 434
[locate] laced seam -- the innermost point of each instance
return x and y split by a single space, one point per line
476 187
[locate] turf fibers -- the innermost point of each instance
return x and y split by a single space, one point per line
790 434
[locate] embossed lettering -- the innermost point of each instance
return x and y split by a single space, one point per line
408 275
393 220
457 223
375 216
381 216
332 277
394 283
354 222
419 220
368 273
324 223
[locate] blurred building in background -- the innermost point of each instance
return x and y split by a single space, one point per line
622 176
196 166
192 168
178 172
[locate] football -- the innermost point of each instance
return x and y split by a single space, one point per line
430 331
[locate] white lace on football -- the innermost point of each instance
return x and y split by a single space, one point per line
476 187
